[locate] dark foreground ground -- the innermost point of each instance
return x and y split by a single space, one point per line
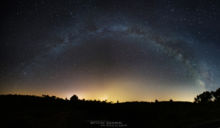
50 112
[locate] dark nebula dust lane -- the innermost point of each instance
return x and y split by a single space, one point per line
114 50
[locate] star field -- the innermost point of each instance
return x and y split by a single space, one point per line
115 50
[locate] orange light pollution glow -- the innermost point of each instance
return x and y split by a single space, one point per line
119 90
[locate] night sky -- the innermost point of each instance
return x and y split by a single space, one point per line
122 50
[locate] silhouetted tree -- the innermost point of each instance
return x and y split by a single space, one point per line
171 100
45 96
53 97
205 97
74 98
216 95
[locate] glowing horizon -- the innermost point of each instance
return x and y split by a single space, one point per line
119 91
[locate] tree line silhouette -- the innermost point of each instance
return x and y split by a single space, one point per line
208 97
52 111
204 97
